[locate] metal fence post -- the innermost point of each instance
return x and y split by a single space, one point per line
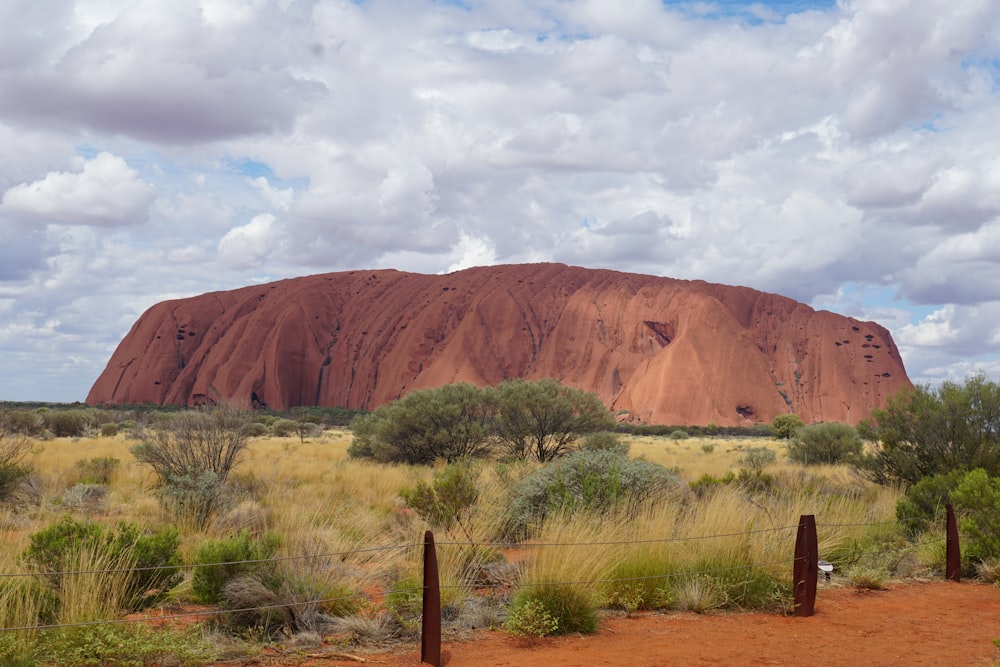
430 626
805 570
953 560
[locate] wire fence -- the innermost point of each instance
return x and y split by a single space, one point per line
804 561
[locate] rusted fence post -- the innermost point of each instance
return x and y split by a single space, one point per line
805 570
953 560
430 626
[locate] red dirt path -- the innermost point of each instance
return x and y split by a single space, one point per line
928 623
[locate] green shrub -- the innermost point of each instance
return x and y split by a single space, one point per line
758 458
755 481
679 434
109 430
10 479
126 645
155 556
450 422
405 598
284 428
977 499
786 426
447 501
219 561
924 432
22 422
541 610
68 423
637 584
13 450
530 618
708 483
595 480
832 442
605 440
924 502
98 470
193 455
256 429
720 581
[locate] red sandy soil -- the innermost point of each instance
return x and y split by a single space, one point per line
921 623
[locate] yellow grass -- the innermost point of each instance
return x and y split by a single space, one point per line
321 502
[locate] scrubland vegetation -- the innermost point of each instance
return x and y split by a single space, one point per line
296 540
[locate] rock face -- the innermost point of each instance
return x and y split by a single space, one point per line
655 349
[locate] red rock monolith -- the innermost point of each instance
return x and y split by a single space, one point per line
655 349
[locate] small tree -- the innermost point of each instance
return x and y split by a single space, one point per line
595 480
923 432
14 448
786 426
541 420
450 423
448 500
832 442
193 457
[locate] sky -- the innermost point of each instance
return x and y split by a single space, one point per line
844 153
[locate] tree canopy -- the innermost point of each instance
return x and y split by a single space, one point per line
450 423
519 419
923 431
541 420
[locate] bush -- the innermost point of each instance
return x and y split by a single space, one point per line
98 470
126 644
68 423
786 426
530 618
109 430
832 442
541 420
924 502
446 502
596 480
284 428
542 610
193 457
219 561
13 450
924 432
22 422
256 429
679 434
605 440
758 458
450 423
155 556
707 483
977 499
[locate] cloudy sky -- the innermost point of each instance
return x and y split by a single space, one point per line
845 153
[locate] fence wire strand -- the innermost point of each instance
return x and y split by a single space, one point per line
194 566
368 596
531 545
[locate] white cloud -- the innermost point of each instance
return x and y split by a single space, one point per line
470 252
248 245
105 193
854 145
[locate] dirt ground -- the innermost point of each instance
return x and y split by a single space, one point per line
920 623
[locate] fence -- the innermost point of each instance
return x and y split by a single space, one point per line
805 574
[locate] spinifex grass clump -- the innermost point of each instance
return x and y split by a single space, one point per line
564 571
144 564
220 561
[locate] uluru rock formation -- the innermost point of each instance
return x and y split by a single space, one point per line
655 349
